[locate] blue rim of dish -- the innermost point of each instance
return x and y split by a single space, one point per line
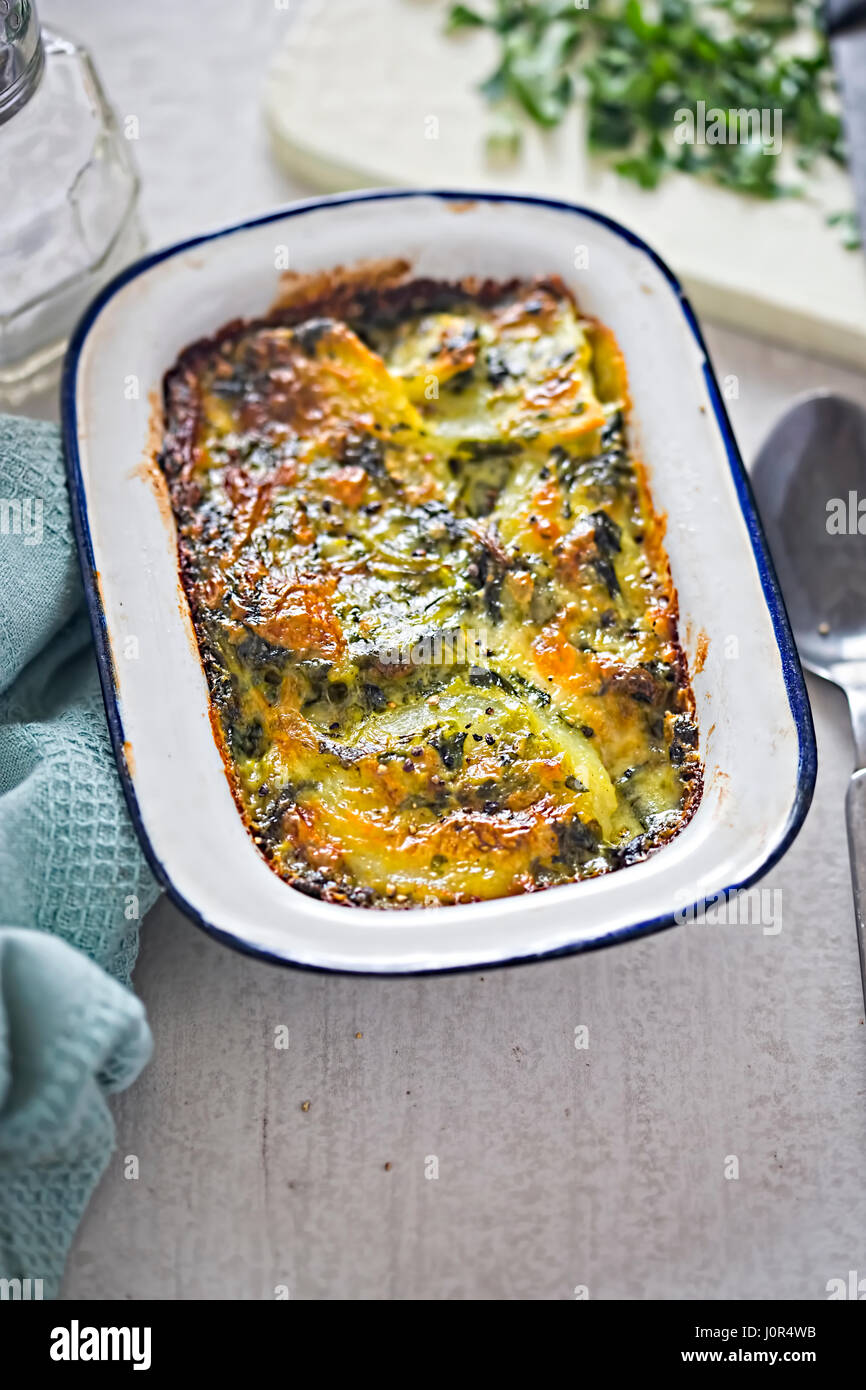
795 685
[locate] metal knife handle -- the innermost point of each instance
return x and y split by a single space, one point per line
855 816
841 15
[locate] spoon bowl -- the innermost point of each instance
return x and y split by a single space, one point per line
808 479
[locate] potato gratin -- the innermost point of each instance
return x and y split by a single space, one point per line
430 591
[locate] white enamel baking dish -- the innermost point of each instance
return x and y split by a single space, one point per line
757 740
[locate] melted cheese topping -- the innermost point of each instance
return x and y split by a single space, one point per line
432 599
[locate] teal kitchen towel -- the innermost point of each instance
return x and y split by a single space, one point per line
73 880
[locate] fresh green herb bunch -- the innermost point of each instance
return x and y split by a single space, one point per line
640 64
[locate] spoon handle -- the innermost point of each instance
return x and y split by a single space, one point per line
855 816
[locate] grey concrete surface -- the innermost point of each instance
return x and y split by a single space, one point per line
558 1167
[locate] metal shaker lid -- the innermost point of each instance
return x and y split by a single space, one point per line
21 55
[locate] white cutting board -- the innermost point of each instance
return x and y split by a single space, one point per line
371 93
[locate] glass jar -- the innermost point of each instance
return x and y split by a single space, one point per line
68 197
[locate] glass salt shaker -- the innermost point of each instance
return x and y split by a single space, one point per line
68 197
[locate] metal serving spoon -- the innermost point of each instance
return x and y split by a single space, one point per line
810 482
